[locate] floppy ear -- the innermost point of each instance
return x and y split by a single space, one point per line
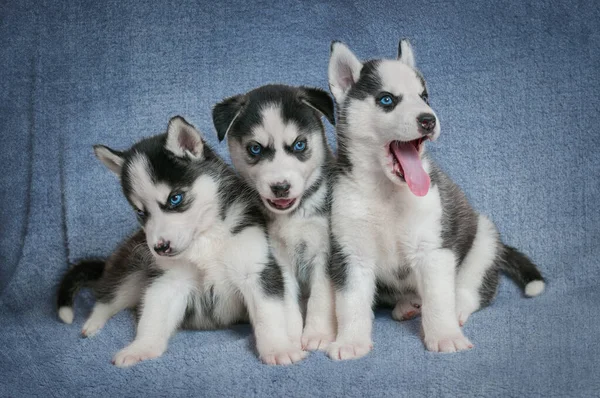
344 70
225 113
405 53
183 140
320 101
110 158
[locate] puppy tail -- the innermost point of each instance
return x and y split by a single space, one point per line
522 270
81 274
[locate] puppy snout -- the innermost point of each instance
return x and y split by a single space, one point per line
162 247
281 189
426 122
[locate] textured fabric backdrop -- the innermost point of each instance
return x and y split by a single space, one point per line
517 91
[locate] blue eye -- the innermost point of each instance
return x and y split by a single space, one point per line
255 149
386 100
300 146
140 213
175 200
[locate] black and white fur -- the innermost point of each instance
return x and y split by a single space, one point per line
202 263
280 119
432 252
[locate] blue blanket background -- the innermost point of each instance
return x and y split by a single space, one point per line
516 87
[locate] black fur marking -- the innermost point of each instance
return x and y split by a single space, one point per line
459 220
368 84
132 257
291 100
225 112
321 101
253 216
386 295
82 274
271 278
403 273
518 266
409 291
489 286
338 265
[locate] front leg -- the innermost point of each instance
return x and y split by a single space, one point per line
163 310
441 332
321 324
354 280
274 314
268 317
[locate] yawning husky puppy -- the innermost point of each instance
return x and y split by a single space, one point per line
400 226
277 143
202 260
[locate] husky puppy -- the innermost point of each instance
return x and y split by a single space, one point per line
278 145
401 228
202 259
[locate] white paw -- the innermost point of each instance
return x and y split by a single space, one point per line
284 356
137 352
341 350
66 314
92 326
466 304
452 342
462 318
406 310
313 340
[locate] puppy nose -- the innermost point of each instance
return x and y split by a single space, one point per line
162 247
426 121
281 189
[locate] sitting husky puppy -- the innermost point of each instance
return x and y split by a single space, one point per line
400 226
277 143
202 261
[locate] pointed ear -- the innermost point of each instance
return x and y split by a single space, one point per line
320 101
344 70
405 53
183 140
225 113
110 158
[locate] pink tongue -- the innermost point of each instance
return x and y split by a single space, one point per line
414 174
282 202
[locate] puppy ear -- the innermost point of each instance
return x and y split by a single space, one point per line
110 158
225 113
183 140
405 53
320 101
344 70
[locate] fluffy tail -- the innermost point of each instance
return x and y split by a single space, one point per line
520 269
80 275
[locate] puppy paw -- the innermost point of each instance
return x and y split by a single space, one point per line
136 352
406 310
452 342
284 356
92 326
313 340
344 350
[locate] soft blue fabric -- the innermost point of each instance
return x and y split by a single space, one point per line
516 86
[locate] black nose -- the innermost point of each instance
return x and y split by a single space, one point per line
281 189
162 247
426 121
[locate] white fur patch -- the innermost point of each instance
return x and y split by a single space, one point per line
66 314
534 288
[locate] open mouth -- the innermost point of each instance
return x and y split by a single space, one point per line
407 165
281 204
